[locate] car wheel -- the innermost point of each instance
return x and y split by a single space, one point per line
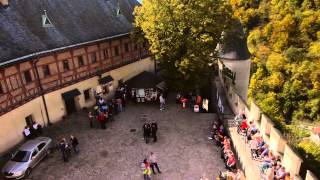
28 172
48 152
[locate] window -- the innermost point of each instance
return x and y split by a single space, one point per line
34 153
116 51
40 146
45 20
21 156
93 57
105 54
66 65
126 47
14 82
80 61
46 70
86 94
1 89
27 76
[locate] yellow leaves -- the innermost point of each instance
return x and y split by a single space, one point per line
253 40
275 80
309 18
279 40
314 49
275 62
288 22
297 85
267 30
206 38
263 51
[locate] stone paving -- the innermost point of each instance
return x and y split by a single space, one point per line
115 153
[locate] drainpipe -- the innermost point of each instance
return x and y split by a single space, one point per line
41 90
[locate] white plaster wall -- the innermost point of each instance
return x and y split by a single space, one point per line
242 70
13 122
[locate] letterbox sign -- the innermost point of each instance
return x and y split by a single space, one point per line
228 73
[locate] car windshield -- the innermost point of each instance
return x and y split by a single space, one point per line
21 156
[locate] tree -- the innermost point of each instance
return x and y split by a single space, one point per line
183 35
284 40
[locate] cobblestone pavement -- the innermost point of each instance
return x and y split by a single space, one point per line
183 150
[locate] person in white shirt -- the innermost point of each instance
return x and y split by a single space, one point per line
162 102
26 132
153 161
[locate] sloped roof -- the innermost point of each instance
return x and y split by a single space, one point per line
235 45
144 80
74 21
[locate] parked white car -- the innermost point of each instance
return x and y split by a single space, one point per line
27 157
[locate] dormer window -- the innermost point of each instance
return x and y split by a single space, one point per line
118 9
45 20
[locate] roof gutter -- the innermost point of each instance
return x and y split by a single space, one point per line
59 49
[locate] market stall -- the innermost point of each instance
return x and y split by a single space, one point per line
145 87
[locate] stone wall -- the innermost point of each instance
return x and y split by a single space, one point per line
278 144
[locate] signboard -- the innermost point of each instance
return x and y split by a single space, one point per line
228 73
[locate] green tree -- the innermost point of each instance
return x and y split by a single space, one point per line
183 35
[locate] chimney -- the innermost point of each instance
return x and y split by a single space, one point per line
4 2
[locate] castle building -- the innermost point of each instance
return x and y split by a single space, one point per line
56 55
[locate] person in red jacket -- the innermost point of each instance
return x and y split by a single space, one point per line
102 119
231 162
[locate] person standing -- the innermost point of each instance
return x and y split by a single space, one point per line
153 160
110 111
178 98
90 116
146 170
74 142
149 130
145 132
26 132
101 119
154 129
119 104
37 128
63 149
162 102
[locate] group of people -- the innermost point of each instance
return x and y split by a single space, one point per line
194 101
105 110
270 167
66 147
220 137
150 131
32 131
149 164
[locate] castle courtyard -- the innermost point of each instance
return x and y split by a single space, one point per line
115 153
